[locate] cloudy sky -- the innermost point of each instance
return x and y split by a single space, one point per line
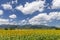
34 12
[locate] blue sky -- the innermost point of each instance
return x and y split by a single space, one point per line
34 12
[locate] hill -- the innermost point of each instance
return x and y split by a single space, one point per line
27 27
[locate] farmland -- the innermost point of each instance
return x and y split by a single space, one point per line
30 34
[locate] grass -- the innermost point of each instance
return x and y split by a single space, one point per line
30 34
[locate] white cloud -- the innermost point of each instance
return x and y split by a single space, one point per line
23 22
1 12
43 18
55 15
56 4
29 8
13 16
13 23
4 21
7 21
39 19
6 6
15 1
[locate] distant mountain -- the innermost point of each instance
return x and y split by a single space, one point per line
27 27
38 27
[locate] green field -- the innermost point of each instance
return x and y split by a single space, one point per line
31 37
29 34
